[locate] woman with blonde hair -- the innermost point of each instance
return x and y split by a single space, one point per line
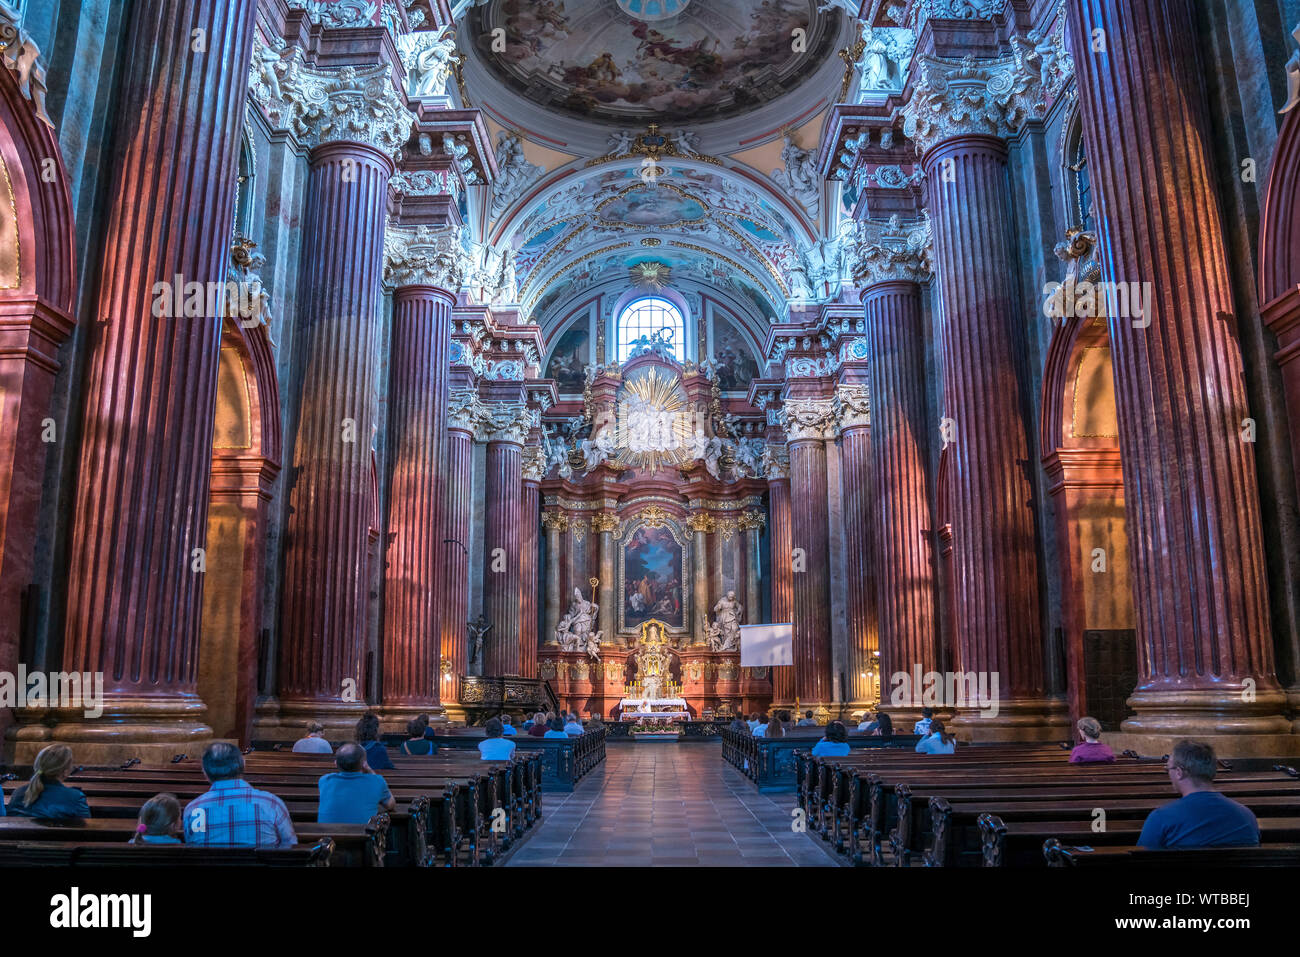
45 797
1090 750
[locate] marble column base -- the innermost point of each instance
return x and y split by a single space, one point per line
152 729
1225 745
286 719
1208 711
1018 719
1293 707
905 718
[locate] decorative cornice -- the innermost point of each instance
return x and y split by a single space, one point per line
808 419
988 97
852 406
653 516
338 13
891 251
422 255
351 104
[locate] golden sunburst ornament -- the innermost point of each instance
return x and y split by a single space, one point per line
653 429
653 275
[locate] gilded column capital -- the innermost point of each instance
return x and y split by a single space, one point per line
808 419
423 256
852 406
752 521
604 522
351 104
701 522
969 97
534 463
555 521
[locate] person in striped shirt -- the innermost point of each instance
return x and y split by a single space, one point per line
233 813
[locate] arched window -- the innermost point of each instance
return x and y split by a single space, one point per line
1079 183
648 319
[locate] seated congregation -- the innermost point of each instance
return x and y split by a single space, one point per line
360 804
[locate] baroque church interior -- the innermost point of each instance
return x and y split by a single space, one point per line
662 363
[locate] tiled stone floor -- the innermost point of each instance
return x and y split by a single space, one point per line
669 805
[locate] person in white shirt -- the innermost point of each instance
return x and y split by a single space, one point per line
313 743
938 741
760 729
753 721
806 721
923 726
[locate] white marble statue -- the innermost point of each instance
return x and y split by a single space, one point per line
713 456
1293 76
514 172
580 634
684 142
800 175
428 58
619 143
724 632
597 450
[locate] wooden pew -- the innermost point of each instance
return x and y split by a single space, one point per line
1265 855
99 854
355 845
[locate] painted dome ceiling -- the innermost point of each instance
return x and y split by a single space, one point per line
706 60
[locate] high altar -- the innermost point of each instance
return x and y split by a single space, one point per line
654 544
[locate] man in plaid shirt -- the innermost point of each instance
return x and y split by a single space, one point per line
233 813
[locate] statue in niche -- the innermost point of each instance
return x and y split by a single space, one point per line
429 60
724 632
596 451
476 631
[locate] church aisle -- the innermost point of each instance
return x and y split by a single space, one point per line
669 805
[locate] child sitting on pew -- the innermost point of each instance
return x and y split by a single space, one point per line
160 819
45 797
938 741
1091 750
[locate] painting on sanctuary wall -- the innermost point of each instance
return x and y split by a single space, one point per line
736 365
569 360
652 578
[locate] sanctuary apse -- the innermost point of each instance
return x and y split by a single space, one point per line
549 323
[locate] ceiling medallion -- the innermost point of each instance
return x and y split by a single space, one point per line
653 10
652 275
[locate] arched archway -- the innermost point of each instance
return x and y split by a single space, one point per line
37 290
246 450
1080 439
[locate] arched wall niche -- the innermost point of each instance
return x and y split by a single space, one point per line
246 455
37 296
1080 438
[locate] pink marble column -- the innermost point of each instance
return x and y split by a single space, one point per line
503 540
530 512
455 541
1205 653
807 423
135 581
323 617
996 585
903 554
780 543
417 443
860 526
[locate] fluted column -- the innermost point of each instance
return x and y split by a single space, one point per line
135 569
503 537
854 421
530 515
903 554
701 523
751 523
781 546
358 125
996 607
1205 654
605 525
808 423
417 398
555 523
463 415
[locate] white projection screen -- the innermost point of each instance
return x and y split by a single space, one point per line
765 645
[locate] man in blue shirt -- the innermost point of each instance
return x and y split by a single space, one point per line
354 793
507 725
1201 817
